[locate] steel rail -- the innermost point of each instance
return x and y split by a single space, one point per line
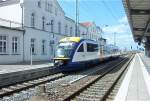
29 84
73 95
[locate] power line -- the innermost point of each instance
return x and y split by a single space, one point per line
109 9
86 9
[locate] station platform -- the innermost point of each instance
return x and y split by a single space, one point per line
136 84
13 73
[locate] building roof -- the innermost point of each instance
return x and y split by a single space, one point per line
87 24
69 19
8 2
59 6
138 13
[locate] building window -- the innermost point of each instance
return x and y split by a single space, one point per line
3 44
71 31
52 26
39 4
43 23
46 5
32 20
33 46
66 29
56 11
50 7
59 27
43 47
14 45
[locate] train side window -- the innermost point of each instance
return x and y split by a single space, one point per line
81 48
96 48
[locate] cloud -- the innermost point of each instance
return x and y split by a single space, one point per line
121 27
121 40
123 20
123 37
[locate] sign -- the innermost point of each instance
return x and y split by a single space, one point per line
52 42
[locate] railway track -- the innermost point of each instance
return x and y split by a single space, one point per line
59 91
102 88
9 90
55 87
28 88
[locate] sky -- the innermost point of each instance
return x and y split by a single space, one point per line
108 14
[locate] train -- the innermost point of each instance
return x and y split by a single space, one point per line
76 53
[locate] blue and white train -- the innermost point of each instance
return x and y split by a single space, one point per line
75 53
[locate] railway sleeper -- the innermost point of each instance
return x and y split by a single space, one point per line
99 86
93 93
101 89
83 98
95 90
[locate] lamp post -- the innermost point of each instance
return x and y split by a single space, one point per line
52 41
22 25
102 41
77 18
115 39
102 30
21 5
31 55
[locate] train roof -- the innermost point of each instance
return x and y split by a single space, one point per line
73 39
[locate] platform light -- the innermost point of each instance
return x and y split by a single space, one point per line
144 39
142 12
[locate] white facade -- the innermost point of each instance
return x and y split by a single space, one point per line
83 31
69 27
92 31
44 23
11 49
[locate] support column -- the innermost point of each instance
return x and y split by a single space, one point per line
147 47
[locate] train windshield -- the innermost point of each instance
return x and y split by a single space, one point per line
65 49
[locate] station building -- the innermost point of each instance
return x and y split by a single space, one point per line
92 30
139 19
35 27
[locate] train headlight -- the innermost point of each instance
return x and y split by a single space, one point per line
58 63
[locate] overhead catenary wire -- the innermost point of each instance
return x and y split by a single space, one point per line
109 9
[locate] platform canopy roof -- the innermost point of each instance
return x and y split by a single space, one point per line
138 13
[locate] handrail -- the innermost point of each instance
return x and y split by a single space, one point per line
10 24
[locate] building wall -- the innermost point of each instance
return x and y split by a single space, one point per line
92 30
40 34
83 31
10 57
11 12
69 23
36 32
31 6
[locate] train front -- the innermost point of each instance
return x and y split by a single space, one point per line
64 53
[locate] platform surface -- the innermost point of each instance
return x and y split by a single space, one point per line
13 73
146 61
136 85
23 66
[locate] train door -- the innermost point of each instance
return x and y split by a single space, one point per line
79 55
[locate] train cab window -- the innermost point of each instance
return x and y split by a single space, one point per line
81 48
92 47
